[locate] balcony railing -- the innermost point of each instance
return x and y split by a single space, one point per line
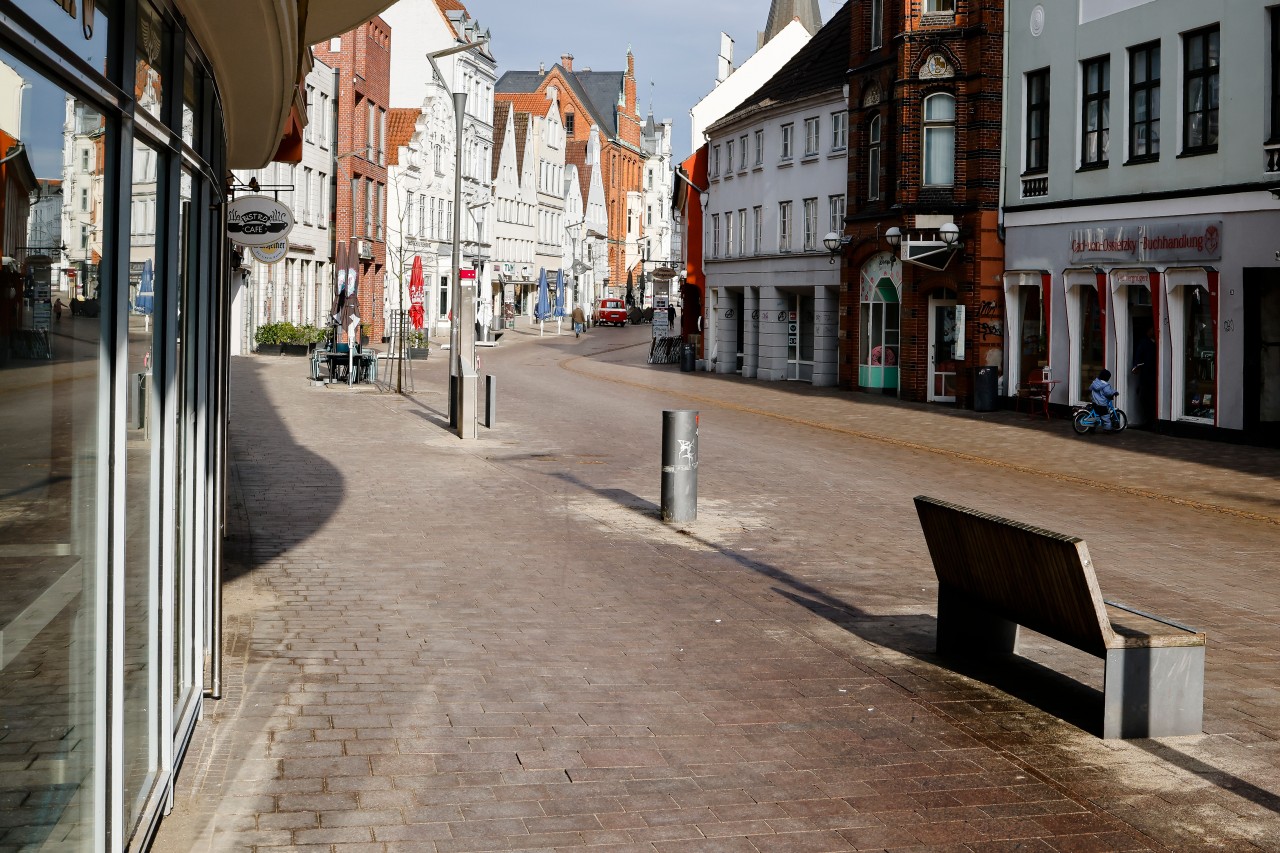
1035 186
1272 154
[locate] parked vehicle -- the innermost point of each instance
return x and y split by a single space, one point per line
611 312
1086 420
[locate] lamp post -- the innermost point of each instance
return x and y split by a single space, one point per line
462 342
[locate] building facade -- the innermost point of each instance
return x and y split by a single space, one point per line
1148 253
657 248
923 256
299 287
115 416
431 25
776 177
362 60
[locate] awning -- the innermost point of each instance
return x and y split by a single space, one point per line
257 49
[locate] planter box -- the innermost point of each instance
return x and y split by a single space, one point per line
419 352
296 349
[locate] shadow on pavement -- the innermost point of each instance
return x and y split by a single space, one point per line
1258 796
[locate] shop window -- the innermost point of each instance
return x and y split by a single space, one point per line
1092 343
1274 50
1033 338
1199 356
881 320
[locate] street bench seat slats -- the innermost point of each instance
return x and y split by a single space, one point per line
995 574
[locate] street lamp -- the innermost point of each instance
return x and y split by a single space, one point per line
834 242
462 340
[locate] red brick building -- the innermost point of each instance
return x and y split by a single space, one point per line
606 99
362 59
924 120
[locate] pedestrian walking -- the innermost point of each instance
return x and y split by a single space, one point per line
671 317
57 311
579 321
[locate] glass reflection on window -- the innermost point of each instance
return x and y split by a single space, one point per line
154 40
1034 353
1091 342
50 462
141 585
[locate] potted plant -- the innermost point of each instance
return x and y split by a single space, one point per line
418 345
271 337
294 341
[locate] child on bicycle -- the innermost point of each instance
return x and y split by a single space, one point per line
1102 394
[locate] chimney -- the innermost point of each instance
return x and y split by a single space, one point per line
566 59
724 65
542 69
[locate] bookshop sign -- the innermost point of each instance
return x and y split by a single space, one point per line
1185 241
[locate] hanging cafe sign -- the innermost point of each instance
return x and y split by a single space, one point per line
257 220
1186 240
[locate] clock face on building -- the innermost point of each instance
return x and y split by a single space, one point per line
876 269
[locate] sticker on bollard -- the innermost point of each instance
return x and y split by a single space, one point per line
680 465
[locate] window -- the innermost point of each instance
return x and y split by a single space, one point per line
810 224
742 231
786 141
382 137
758 224
877 24
84 199
839 130
569 123
810 137
84 159
742 153
715 162
835 204
408 213
1096 119
728 233
759 147
356 195
1200 91
715 235
947 7
1144 102
939 140
371 131
368 208
308 133
304 193
873 159
784 226
728 150
1275 76
1037 122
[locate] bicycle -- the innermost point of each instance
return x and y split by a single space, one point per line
1086 420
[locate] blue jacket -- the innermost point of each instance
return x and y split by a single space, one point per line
1101 392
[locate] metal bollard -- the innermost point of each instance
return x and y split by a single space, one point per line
490 400
453 401
679 465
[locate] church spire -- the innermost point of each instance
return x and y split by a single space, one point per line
783 12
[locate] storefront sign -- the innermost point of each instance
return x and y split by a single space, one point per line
877 268
257 220
1188 240
270 254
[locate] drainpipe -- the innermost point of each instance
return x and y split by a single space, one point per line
1004 128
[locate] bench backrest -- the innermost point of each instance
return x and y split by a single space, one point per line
1036 578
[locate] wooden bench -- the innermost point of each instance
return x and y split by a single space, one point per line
995 574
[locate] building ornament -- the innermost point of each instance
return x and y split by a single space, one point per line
936 67
871 97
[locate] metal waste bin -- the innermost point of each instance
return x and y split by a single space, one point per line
688 358
985 389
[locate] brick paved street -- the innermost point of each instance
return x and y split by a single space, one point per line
439 646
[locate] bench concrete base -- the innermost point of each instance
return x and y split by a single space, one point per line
1147 692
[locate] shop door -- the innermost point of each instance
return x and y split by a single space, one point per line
740 328
800 323
942 341
1262 341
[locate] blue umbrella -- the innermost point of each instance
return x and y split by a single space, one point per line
144 302
543 310
559 293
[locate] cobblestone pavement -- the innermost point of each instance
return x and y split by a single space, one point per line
497 645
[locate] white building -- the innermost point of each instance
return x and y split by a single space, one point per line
549 151
299 288
82 185
777 179
588 235
420 27
515 202
420 205
659 179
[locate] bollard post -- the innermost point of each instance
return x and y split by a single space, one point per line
453 401
679 465
490 400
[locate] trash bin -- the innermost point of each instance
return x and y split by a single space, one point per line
688 356
984 389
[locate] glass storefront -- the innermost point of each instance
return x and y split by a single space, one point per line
1091 342
110 410
881 321
1199 367
1033 337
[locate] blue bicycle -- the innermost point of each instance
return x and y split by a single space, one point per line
1086 420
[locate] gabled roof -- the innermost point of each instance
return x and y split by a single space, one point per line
401 123
500 115
783 12
819 66
522 138
598 90
534 103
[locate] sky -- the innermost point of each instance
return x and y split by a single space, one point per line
675 43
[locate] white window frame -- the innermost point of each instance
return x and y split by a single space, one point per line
839 130
812 136
788 131
935 126
784 226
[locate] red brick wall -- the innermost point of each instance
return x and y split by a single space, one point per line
971 43
364 76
